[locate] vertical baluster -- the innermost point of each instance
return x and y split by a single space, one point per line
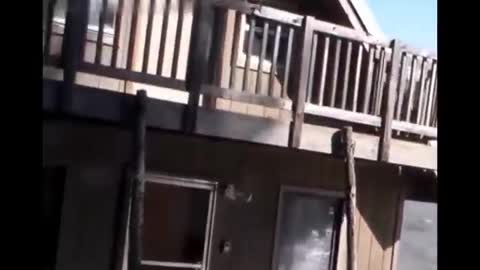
246 72
235 49
101 28
401 87
178 38
163 36
368 81
287 62
411 87
258 86
433 112
48 30
338 47
357 77
321 91
423 72
346 75
433 86
380 82
311 69
116 35
148 37
273 71
133 34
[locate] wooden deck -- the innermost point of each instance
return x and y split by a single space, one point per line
297 64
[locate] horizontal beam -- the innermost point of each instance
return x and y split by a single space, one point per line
319 139
134 76
368 120
114 107
245 97
345 32
279 15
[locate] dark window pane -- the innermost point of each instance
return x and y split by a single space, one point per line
175 222
418 239
306 231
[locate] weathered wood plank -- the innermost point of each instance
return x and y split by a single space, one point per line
311 69
432 95
245 97
198 60
73 47
116 35
323 76
148 36
423 77
133 76
133 34
301 80
350 194
163 36
101 26
379 88
411 89
336 66
345 32
135 235
357 77
389 105
258 85
288 61
246 71
278 15
48 29
178 37
398 229
368 81
346 75
273 71
235 49
401 87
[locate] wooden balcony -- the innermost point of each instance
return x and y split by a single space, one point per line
261 75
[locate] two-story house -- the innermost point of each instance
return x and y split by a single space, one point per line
245 105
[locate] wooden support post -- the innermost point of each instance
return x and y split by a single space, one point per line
73 47
216 61
388 107
300 81
349 148
198 61
121 218
138 185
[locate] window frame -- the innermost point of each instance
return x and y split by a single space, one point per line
337 219
193 183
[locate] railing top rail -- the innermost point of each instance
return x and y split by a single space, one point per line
348 33
418 52
279 15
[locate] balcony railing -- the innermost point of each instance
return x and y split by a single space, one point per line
266 57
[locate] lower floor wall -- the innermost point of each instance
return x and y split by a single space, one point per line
95 157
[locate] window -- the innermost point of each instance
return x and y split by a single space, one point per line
307 226
178 216
418 239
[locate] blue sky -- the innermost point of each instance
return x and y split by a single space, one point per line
412 21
